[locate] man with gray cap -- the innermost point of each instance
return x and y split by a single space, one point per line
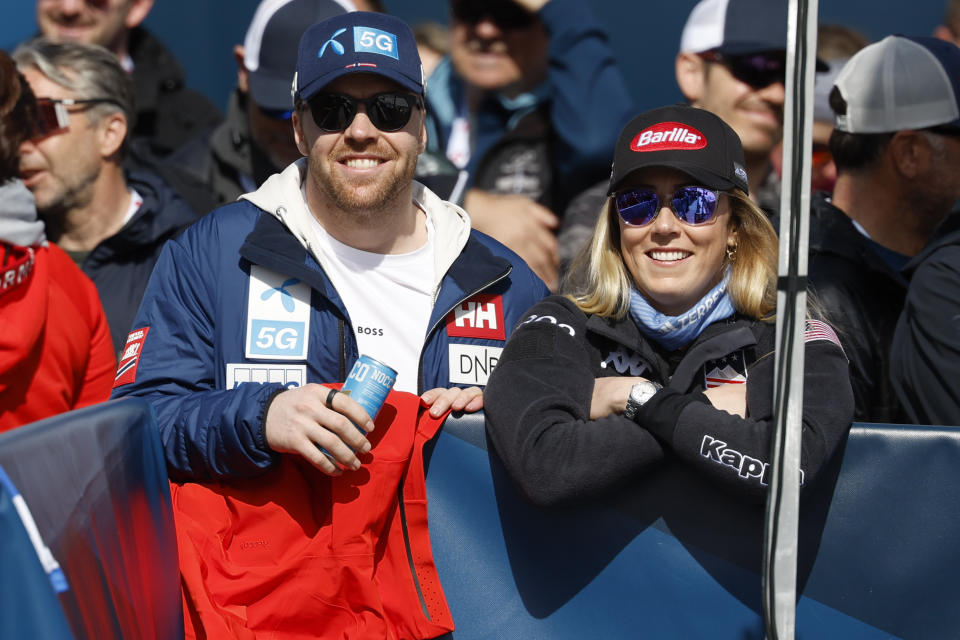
897 149
256 138
340 254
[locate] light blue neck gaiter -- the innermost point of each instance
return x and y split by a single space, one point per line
674 332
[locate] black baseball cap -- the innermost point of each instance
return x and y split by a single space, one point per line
682 137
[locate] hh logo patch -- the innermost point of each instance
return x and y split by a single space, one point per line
278 316
479 317
472 364
127 370
291 375
731 369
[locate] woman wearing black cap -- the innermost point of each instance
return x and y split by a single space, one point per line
664 349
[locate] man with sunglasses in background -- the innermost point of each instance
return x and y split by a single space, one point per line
339 255
111 222
527 106
256 138
896 144
732 62
168 114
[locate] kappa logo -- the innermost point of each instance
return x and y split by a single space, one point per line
668 136
478 317
746 467
335 46
624 361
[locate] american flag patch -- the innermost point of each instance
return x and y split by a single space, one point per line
819 330
731 369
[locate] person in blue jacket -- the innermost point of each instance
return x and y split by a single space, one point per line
342 253
527 105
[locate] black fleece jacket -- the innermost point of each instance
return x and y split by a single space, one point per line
537 404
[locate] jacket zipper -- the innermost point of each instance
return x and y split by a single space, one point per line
403 515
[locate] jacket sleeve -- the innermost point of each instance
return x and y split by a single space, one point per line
735 451
207 433
537 406
590 100
925 356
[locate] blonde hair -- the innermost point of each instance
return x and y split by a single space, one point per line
599 282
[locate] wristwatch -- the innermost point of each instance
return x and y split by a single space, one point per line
640 393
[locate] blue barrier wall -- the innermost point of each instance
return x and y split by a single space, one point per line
671 557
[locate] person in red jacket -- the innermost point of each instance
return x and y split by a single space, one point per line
55 347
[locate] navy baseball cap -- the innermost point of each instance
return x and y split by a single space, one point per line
735 27
900 83
681 137
270 46
357 42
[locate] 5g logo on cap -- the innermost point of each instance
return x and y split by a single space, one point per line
370 40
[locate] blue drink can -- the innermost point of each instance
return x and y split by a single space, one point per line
368 384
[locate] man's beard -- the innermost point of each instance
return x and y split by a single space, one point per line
369 200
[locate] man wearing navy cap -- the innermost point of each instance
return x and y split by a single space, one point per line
732 62
256 138
342 253
896 144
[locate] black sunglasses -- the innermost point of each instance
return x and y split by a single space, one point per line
504 13
691 205
389 111
758 70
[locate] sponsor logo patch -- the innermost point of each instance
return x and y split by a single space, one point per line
551 320
625 361
130 359
278 316
730 369
668 136
370 40
289 375
472 364
478 317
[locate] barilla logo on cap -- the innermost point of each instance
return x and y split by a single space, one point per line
668 136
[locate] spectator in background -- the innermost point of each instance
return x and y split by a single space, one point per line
528 104
836 44
950 29
168 114
732 62
897 153
925 356
112 224
55 350
256 139
433 43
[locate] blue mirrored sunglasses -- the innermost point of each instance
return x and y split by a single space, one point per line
691 205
